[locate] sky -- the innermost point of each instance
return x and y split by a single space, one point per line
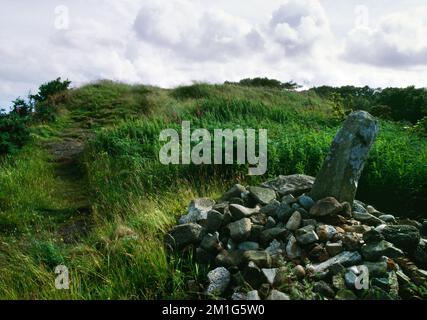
174 42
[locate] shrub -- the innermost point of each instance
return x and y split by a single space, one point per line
13 132
267 83
383 112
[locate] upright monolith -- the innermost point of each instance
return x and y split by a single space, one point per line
344 164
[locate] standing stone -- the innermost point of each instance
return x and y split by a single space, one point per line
344 164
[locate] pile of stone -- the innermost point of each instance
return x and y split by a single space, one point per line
261 241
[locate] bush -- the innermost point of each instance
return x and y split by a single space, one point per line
13 132
267 83
383 112
50 89
45 101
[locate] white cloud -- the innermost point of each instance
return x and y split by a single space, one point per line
173 42
398 40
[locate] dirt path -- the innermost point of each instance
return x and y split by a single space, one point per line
66 151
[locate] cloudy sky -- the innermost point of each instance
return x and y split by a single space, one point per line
379 43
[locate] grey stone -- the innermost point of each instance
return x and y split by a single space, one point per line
309 222
293 184
420 254
293 251
325 207
270 209
359 206
402 236
228 258
197 211
306 235
284 212
278 295
239 212
240 230
374 251
183 235
235 192
253 275
294 221
262 195
211 242
219 279
261 258
334 248
239 296
271 223
248 245
372 236
377 269
253 295
388 218
289 199
214 221
325 232
350 279
306 202
274 248
345 258
344 164
275 233
270 274
367 218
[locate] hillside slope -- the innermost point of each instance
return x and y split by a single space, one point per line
89 192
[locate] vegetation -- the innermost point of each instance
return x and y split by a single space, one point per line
267 83
104 215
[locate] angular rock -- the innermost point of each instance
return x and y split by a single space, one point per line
306 202
183 235
248 245
372 236
284 212
352 241
219 279
211 242
402 236
240 230
253 295
388 218
228 258
275 248
289 199
197 211
262 195
334 248
271 223
275 233
235 192
377 269
306 235
214 221
367 218
318 253
325 207
293 184
253 275
325 232
270 274
270 209
294 221
278 295
344 164
345 258
293 251
374 251
261 258
239 212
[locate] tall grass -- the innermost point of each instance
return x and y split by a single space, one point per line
128 188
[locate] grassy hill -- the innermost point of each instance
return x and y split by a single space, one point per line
88 190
